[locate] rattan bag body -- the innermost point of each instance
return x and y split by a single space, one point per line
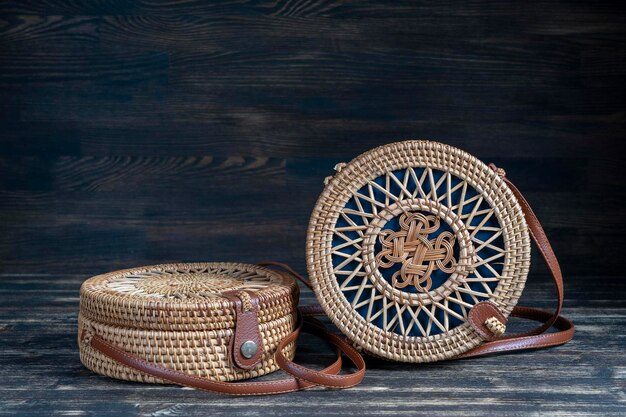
183 317
407 239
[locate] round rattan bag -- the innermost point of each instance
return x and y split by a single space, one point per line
183 317
403 242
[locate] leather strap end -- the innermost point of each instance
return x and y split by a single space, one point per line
246 345
479 317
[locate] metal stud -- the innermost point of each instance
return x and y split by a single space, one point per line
248 349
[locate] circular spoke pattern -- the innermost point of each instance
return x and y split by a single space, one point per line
188 283
419 254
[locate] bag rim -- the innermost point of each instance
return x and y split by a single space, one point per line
278 297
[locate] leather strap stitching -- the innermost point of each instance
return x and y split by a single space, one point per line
301 374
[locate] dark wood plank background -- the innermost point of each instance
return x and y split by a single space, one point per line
135 133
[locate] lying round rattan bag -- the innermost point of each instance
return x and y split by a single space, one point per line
407 238
183 317
203 325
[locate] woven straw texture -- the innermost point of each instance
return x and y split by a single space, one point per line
174 315
405 239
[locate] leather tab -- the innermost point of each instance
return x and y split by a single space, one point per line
246 330
482 312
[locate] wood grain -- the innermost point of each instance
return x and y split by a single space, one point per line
41 371
143 132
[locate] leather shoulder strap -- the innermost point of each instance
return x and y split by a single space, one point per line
302 377
535 338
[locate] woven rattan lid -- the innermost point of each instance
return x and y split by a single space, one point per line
406 239
186 296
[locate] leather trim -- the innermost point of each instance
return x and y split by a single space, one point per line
516 342
480 313
246 329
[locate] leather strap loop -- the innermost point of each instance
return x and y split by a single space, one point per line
317 377
517 342
246 328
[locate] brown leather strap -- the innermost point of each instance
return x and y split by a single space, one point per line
320 378
543 244
302 377
312 310
521 342
533 339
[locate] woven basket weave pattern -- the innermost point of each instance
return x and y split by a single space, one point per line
173 315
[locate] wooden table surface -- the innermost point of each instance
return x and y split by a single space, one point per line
41 374
143 132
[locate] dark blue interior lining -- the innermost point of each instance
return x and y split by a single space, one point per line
438 276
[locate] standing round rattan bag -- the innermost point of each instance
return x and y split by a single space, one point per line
418 252
202 325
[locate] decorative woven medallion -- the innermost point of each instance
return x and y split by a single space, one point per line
406 239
